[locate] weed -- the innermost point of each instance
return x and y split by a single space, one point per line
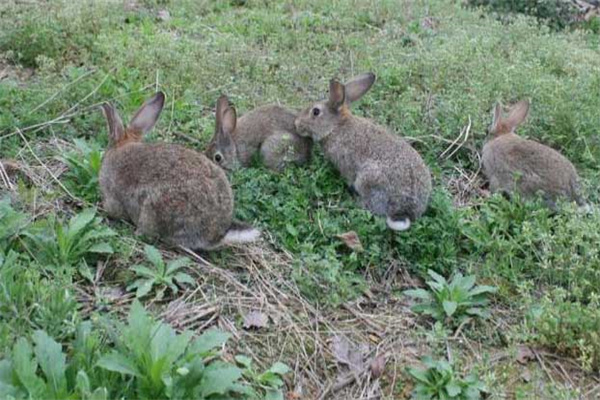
164 275
164 364
440 381
41 372
452 302
62 246
569 327
269 382
12 223
84 168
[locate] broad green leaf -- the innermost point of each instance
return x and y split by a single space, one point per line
483 289
101 248
144 271
209 340
169 345
449 307
144 286
219 378
177 264
52 360
467 282
153 255
453 389
270 379
82 383
7 390
244 361
437 277
25 367
117 362
80 221
279 368
182 277
419 375
418 294
478 311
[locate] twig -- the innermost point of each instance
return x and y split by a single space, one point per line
49 99
5 177
543 365
464 131
46 168
90 94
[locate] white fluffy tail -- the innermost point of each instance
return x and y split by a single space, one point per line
399 225
240 233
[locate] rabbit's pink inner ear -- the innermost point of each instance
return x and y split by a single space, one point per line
116 130
517 114
222 105
358 86
145 118
229 120
337 94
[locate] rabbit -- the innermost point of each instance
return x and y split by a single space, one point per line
166 190
269 129
388 175
512 163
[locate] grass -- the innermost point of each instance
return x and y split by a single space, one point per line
439 65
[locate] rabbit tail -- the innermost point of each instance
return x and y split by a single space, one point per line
240 232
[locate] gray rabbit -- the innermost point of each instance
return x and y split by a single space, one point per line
166 190
388 175
269 130
512 163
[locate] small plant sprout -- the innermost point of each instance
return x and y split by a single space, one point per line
84 168
60 245
163 275
452 302
440 381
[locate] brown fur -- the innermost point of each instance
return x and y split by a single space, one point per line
167 191
387 173
269 130
512 163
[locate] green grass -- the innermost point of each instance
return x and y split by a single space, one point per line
438 65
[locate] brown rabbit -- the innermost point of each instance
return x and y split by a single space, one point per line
269 129
512 163
388 175
166 190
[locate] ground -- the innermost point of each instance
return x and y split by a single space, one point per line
301 295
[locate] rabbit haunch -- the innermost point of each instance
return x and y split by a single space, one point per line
388 175
167 191
512 163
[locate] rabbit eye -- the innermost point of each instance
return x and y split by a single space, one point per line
218 157
316 112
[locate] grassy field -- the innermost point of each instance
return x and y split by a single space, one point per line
89 311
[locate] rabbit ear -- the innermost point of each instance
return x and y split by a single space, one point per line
116 131
222 105
337 94
229 121
358 86
517 114
497 116
145 118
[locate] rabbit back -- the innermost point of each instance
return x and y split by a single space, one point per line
513 163
388 174
168 191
